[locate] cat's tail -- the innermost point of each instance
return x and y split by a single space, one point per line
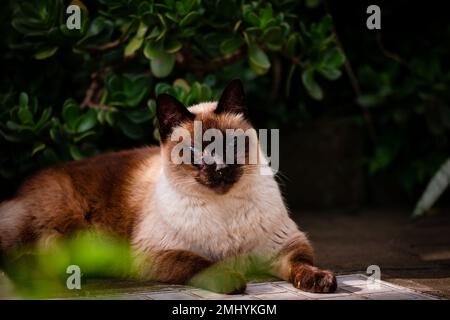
12 216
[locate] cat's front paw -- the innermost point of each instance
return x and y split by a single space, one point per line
221 281
312 279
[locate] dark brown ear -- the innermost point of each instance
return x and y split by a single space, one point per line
232 99
170 113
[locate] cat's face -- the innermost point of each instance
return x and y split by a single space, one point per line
210 140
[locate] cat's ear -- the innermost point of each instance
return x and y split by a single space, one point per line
170 113
232 99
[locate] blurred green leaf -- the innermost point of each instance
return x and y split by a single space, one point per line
87 121
330 73
231 45
37 148
190 18
136 42
45 53
258 60
162 65
311 85
130 129
172 45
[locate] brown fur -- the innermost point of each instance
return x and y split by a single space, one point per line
301 272
95 192
175 266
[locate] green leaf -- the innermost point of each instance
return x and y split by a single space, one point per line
172 45
130 129
334 58
25 115
265 16
75 152
55 134
132 46
311 85
87 121
23 100
330 73
151 104
231 45
162 87
70 113
196 92
37 148
289 79
45 116
154 33
182 84
153 49
382 157
258 60
16 127
291 45
139 116
190 18
272 35
45 53
136 42
10 138
162 65
97 25
83 135
325 25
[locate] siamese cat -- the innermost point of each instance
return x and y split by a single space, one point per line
182 218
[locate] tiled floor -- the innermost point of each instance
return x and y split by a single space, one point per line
350 287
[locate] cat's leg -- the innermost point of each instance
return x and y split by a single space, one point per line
185 267
294 263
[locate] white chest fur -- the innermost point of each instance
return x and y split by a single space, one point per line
247 220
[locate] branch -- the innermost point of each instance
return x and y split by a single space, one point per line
389 54
94 93
187 61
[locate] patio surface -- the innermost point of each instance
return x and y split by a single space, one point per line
350 287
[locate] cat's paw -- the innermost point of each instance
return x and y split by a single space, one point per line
220 280
312 279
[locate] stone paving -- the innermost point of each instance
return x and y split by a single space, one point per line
350 287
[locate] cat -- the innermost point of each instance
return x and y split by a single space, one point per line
183 219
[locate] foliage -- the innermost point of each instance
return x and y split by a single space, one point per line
69 94
42 272
411 100
75 93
